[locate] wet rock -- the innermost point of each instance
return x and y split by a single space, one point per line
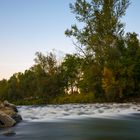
8 115
5 120
12 106
17 118
100 111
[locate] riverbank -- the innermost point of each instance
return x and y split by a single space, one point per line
73 99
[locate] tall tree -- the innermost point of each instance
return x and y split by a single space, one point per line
98 38
101 23
48 75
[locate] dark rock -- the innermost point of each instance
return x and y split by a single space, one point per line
17 118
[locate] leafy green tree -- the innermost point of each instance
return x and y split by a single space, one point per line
27 84
71 71
3 89
98 38
101 25
47 63
125 69
48 75
13 91
131 63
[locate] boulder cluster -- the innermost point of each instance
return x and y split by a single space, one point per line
9 115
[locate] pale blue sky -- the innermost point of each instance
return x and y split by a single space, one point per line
27 26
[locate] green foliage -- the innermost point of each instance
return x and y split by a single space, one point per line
111 59
101 25
75 98
3 89
71 71
41 81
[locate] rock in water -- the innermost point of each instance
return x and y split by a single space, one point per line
12 106
5 120
17 118
8 115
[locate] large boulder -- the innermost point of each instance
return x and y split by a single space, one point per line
8 115
5 120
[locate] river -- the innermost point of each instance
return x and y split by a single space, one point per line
77 122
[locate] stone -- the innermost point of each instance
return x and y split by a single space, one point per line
7 104
17 118
6 121
8 115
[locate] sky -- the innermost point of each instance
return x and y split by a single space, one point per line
28 26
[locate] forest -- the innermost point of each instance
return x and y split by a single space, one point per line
106 67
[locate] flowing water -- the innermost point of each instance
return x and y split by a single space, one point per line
77 122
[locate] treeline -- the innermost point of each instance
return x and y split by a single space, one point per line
46 82
106 67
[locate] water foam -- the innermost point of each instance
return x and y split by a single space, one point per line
70 111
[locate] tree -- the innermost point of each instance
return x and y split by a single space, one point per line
49 83
101 25
98 38
47 63
131 64
3 89
71 72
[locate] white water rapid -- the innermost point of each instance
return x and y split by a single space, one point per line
73 111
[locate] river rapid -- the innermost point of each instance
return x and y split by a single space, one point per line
76 122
